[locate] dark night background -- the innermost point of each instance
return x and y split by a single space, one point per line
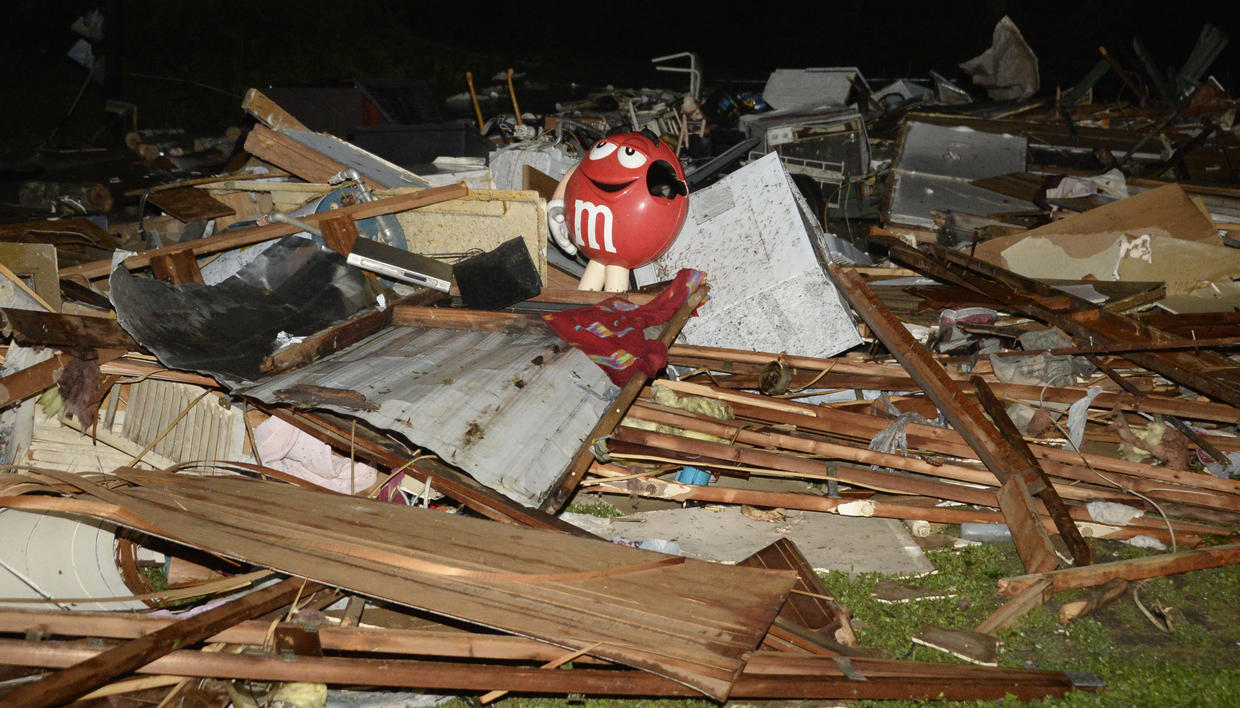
187 64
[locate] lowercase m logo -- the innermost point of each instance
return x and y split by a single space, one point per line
595 212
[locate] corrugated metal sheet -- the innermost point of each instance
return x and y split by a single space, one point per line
510 410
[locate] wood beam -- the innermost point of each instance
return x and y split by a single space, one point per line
474 320
1081 553
1136 569
340 336
245 237
768 675
178 268
88 674
51 329
268 112
290 155
966 417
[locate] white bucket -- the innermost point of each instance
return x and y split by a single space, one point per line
46 555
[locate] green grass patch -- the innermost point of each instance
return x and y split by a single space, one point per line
594 506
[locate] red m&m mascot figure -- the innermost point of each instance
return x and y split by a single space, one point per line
622 205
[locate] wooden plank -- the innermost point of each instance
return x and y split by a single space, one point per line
189 204
1208 372
586 298
268 112
35 379
49 329
728 359
258 234
1097 599
373 640
178 268
339 336
1003 618
475 320
1081 553
850 506
522 580
628 393
82 677
295 158
20 385
340 233
845 424
739 431
966 417
1154 566
1170 345
811 604
767 676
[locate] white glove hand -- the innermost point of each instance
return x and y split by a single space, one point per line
558 227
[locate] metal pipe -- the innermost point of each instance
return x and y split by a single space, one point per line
283 218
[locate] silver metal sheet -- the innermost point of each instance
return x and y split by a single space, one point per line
510 410
793 88
963 153
935 165
914 195
367 164
768 290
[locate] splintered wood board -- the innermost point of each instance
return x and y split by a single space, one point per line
693 622
189 204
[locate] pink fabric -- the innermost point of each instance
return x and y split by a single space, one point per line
612 333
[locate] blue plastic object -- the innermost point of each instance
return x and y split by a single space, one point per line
693 475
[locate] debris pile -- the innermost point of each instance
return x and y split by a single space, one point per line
343 389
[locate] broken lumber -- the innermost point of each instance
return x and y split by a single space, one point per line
708 619
258 234
1003 618
342 335
747 365
1136 569
1209 372
966 417
51 329
1098 598
768 675
268 112
91 673
475 320
1147 479
1081 553
625 484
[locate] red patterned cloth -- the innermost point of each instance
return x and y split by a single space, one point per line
612 333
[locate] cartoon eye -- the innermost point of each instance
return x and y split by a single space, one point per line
631 158
602 149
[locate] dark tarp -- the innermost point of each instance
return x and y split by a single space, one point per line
296 286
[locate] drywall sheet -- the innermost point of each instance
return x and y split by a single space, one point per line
762 259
